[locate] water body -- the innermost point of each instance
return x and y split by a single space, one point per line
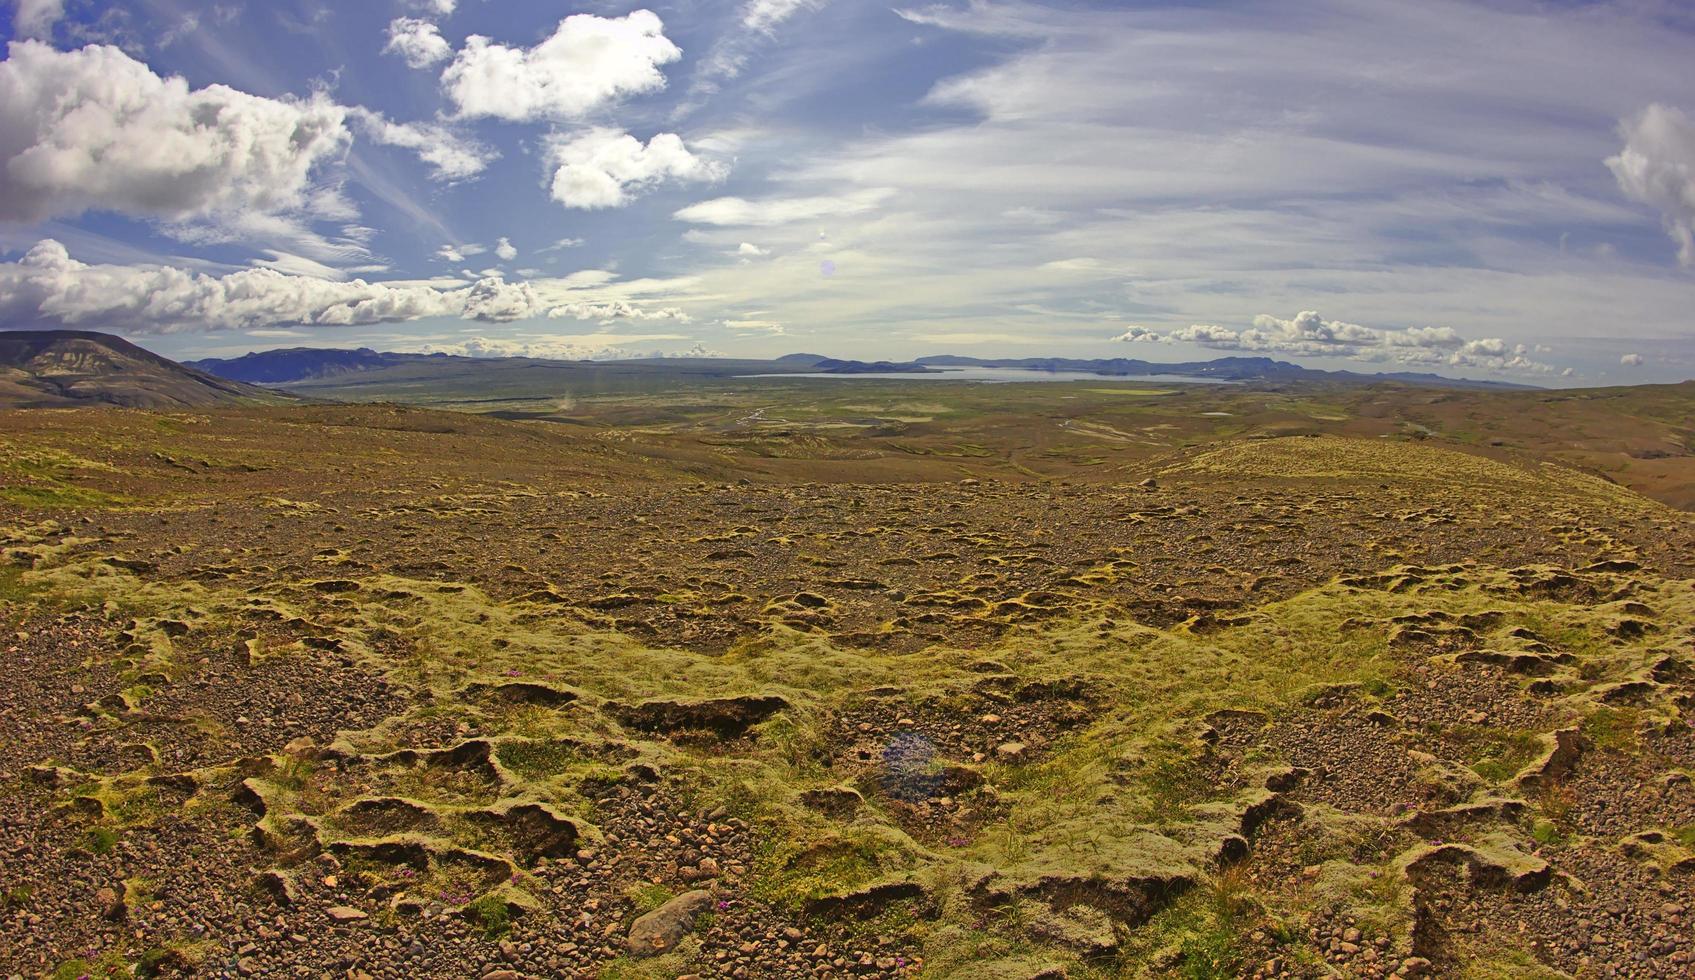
1004 375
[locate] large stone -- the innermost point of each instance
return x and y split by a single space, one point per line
1010 751
662 929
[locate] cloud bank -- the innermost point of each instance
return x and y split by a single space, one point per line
1311 335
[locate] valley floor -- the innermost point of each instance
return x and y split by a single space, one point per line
377 692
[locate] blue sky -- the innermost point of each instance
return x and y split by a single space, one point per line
1501 188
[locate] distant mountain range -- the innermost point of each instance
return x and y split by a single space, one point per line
291 364
67 368
49 368
1223 368
296 365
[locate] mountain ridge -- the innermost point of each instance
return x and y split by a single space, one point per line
70 368
295 365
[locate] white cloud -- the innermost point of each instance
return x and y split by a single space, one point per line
740 212
1137 334
1207 335
97 130
35 18
1657 167
563 244
418 41
1632 360
588 62
505 249
456 253
604 168
588 347
441 8
1308 334
1309 329
770 327
449 155
748 250
49 286
616 310
496 300
763 15
759 21
297 265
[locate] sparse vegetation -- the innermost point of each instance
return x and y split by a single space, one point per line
543 680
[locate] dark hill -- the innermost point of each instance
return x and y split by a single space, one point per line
275 367
67 368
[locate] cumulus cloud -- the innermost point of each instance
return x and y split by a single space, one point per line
48 285
1657 167
417 41
506 250
1309 334
1137 334
748 250
35 18
449 155
589 61
97 130
740 212
1631 360
605 168
616 310
499 301
1207 335
440 8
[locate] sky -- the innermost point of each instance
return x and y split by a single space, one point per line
1480 188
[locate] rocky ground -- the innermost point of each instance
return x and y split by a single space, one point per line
1291 707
